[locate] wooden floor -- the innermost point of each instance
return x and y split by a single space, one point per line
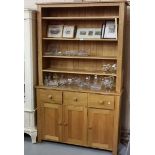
51 148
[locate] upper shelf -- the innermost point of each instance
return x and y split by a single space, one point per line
80 39
82 18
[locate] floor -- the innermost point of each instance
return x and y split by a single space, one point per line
51 148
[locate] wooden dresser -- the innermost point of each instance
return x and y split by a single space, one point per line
70 114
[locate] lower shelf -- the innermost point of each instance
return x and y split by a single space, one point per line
77 71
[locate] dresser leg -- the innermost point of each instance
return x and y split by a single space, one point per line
114 152
33 137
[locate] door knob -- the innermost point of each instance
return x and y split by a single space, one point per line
50 96
75 99
59 123
90 128
101 102
65 124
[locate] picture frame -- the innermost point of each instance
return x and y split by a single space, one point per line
97 33
55 31
103 30
90 33
82 33
68 31
110 29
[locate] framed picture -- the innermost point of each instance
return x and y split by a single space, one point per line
55 31
90 33
110 30
82 33
103 30
68 31
97 33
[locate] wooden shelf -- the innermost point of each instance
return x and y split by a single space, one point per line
80 39
77 89
81 57
71 71
81 18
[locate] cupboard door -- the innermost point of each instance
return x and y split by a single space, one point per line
75 125
52 122
100 128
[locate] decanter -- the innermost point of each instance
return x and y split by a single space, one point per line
96 85
54 82
46 80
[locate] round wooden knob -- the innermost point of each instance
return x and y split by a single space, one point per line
59 123
101 102
109 103
50 96
75 99
90 128
65 124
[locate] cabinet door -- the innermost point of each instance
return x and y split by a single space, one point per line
100 128
52 122
75 125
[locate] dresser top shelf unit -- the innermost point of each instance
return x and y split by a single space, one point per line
82 15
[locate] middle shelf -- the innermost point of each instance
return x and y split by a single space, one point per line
77 71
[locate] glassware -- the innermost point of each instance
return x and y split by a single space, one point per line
54 82
87 82
59 53
82 80
52 50
108 83
82 53
76 81
62 81
113 68
46 80
69 81
96 85
106 67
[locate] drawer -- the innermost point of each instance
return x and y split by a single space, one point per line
50 96
100 101
74 98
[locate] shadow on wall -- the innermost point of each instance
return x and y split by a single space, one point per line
125 116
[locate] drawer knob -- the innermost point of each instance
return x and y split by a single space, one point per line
50 96
75 99
101 102
109 103
90 128
65 124
59 123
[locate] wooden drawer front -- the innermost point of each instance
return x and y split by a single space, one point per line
50 96
74 98
100 101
